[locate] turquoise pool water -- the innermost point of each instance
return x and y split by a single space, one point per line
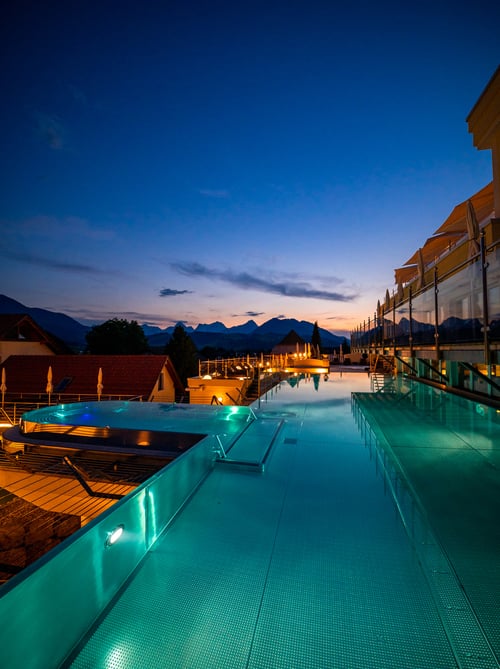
157 416
329 557
137 428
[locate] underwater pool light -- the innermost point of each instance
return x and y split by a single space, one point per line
114 535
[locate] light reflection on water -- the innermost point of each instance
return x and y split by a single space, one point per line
306 388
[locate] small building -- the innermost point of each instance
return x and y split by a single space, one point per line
292 343
230 390
21 335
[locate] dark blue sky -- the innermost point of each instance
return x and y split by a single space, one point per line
204 161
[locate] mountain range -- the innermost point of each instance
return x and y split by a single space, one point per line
244 338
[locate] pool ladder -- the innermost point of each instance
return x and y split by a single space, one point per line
219 448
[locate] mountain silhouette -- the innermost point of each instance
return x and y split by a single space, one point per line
245 338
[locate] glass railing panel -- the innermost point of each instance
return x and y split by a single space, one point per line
493 276
388 326
402 324
423 318
460 309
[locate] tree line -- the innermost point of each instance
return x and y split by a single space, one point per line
121 337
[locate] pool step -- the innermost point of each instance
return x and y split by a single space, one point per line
251 450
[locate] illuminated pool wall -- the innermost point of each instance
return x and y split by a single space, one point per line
49 607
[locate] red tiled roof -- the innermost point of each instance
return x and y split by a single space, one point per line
125 375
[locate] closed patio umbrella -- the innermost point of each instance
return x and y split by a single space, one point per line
400 291
472 229
49 388
99 384
3 387
421 269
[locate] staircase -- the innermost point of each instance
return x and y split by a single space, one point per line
252 391
382 371
266 383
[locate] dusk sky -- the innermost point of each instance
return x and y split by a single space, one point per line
201 161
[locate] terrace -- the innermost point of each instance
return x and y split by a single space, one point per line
326 554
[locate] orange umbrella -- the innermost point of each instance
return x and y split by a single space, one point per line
3 387
99 384
49 389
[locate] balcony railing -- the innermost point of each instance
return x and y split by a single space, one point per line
457 304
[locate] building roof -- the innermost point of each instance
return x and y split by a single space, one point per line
17 327
122 375
291 339
484 118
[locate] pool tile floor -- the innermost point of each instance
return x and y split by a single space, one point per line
306 565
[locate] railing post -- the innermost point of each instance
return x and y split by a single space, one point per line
258 384
486 316
436 313
410 317
394 324
382 326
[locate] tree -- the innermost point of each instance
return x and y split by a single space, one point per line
117 337
183 354
316 340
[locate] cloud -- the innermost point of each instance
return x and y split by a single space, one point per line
249 314
51 263
169 292
210 192
247 281
94 315
51 131
53 227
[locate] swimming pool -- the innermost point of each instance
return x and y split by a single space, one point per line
446 451
158 416
139 428
327 558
